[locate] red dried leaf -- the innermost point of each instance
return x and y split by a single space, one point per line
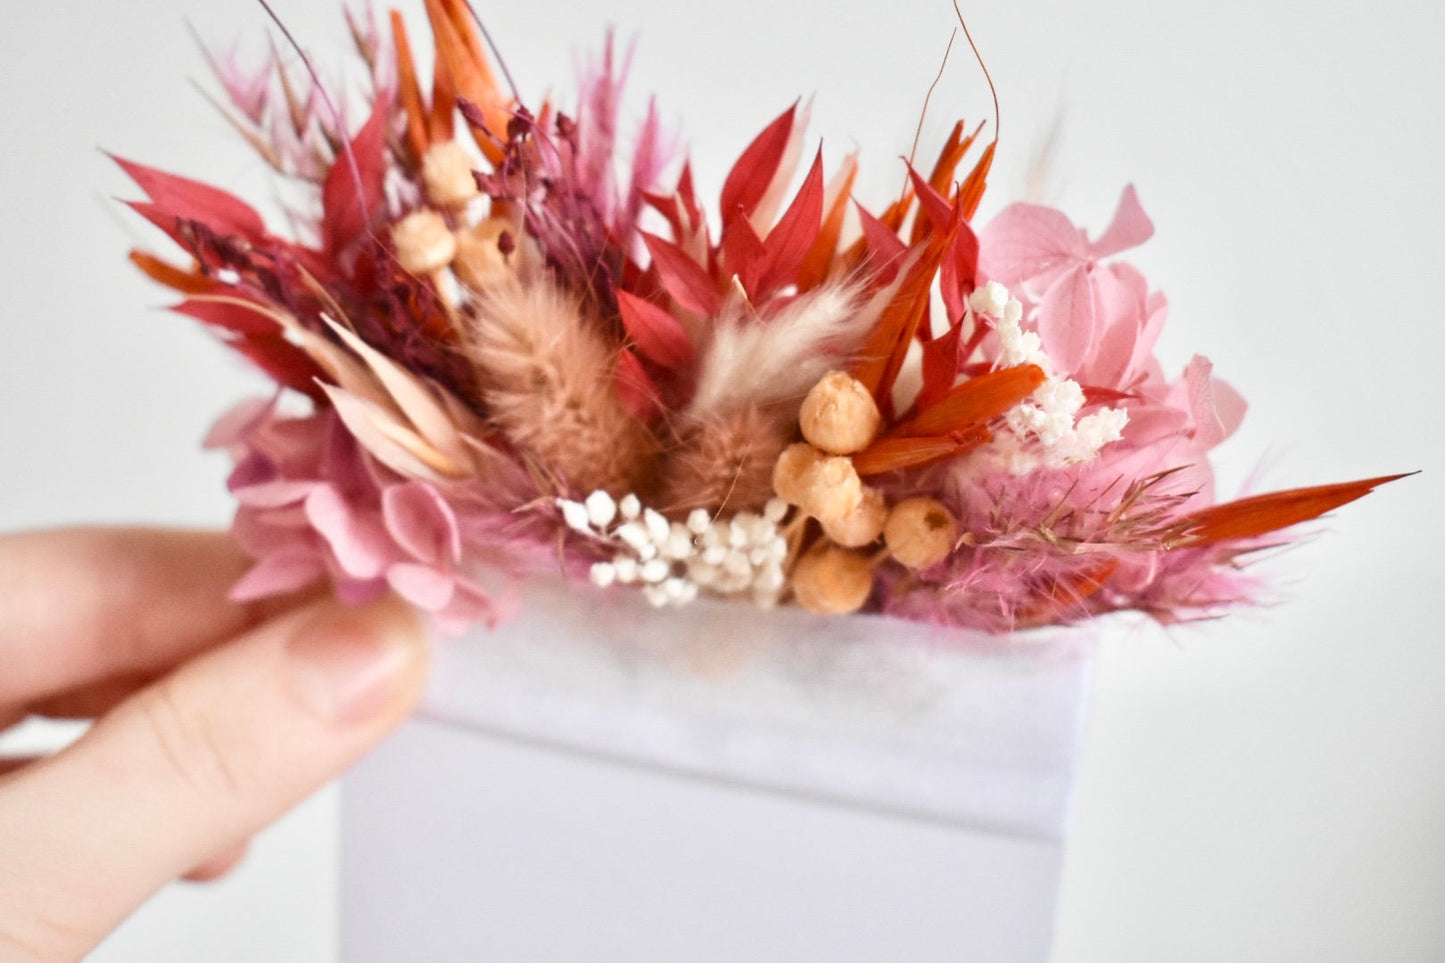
940 365
790 240
180 197
820 259
683 277
892 454
750 177
657 335
228 316
741 254
1262 514
958 275
352 195
283 362
935 210
973 403
637 392
881 242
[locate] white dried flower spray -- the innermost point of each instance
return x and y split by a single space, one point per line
673 562
1045 431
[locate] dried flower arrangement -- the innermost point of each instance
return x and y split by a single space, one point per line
506 373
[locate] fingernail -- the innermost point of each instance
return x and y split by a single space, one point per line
350 665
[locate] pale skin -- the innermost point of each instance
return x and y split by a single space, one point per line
213 719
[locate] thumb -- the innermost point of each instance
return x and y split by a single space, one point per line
196 764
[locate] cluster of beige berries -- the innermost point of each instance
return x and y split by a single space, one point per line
839 419
432 239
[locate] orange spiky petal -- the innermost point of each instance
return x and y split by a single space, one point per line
1262 514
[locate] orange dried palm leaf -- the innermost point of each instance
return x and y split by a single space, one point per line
460 56
410 89
970 192
975 402
1262 514
892 454
177 279
887 343
1065 593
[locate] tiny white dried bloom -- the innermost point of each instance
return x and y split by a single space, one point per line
601 509
626 569
634 535
656 595
603 574
655 570
698 520
775 510
990 299
658 527
630 506
575 515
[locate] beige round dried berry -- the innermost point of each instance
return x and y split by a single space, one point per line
863 524
920 532
832 580
790 472
424 243
832 489
481 260
446 170
839 415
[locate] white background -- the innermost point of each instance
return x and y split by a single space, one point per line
1268 787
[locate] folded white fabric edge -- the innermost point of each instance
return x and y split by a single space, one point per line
903 717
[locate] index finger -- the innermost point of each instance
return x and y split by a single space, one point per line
78 606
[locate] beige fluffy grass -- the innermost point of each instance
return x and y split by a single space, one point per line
547 380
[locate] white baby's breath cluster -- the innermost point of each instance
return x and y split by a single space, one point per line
1050 415
674 562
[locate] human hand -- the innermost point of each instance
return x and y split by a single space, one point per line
213 719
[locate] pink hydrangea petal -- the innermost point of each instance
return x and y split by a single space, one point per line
1067 319
1118 323
1208 426
358 543
359 591
421 585
232 427
274 494
419 519
1129 228
280 572
1030 242
1230 405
